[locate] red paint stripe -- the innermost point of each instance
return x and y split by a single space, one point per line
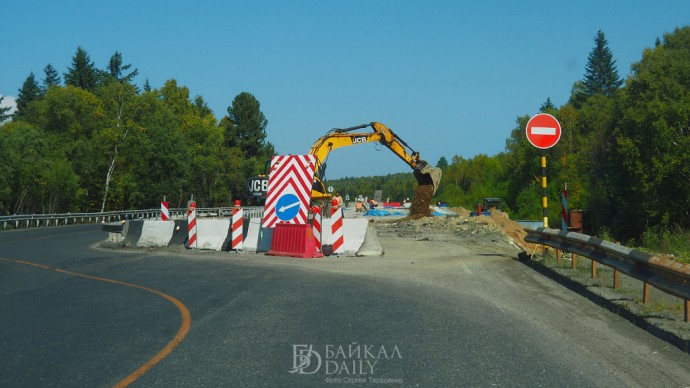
338 243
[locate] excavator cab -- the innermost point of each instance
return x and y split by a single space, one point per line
318 187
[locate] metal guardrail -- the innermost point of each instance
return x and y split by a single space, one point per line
38 220
652 269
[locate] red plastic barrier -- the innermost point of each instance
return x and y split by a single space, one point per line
294 240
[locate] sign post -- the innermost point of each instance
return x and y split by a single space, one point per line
543 131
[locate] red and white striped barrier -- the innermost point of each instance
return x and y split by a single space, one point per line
237 224
191 226
337 230
165 214
359 235
316 226
564 210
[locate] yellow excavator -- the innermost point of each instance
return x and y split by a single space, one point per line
427 176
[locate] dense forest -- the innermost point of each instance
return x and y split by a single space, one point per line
99 142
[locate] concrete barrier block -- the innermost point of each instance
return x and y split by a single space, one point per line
265 239
131 232
354 232
227 244
179 235
371 245
212 233
251 238
156 233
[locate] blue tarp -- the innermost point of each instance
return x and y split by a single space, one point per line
380 213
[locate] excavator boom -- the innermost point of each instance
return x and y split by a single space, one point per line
427 175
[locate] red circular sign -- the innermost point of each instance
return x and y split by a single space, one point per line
543 131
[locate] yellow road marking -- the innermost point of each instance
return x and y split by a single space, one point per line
181 332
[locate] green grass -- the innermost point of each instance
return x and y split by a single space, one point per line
674 241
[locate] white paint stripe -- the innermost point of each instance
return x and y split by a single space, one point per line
543 131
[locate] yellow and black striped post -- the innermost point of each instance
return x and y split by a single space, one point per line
544 200
543 131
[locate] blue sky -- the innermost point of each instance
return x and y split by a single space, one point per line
449 77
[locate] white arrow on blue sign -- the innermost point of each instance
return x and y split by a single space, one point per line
287 207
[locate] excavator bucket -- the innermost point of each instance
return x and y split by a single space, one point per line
428 178
428 175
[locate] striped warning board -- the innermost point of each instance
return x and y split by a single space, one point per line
289 189
316 228
564 210
337 231
191 225
165 213
237 223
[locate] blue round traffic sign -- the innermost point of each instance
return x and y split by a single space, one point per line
287 207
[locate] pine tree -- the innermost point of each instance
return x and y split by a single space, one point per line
4 111
601 76
29 92
547 106
115 69
83 73
52 78
147 86
442 163
245 125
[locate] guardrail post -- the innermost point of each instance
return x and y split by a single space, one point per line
558 256
616 279
574 256
687 310
594 269
647 293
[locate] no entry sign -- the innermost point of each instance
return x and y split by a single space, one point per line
543 131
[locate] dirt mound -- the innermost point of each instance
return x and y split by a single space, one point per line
509 227
421 201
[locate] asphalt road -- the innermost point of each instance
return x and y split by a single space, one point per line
425 314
